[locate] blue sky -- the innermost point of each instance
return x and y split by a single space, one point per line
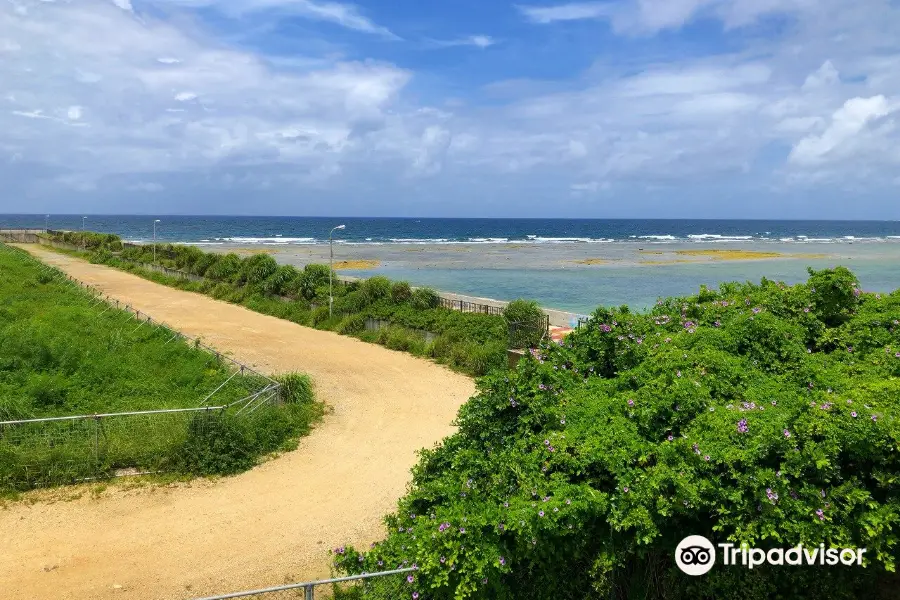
615 108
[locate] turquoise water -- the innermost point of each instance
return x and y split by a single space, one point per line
582 290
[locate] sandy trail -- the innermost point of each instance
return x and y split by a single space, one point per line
272 524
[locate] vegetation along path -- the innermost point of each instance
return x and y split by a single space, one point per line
275 522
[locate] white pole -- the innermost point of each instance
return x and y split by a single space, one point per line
154 240
331 270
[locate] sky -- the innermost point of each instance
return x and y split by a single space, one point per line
469 108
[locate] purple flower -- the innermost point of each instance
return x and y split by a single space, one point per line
443 560
821 514
630 402
806 310
774 403
415 596
756 310
502 561
462 529
706 457
625 489
742 426
339 550
605 328
670 438
853 414
546 442
410 579
787 433
562 421
678 373
874 418
541 513
772 496
822 493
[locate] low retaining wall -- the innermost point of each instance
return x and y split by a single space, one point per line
20 236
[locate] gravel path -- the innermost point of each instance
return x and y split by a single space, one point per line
270 525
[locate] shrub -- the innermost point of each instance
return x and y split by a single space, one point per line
586 466
216 444
256 269
523 311
296 388
351 324
401 292
313 278
225 268
425 298
376 288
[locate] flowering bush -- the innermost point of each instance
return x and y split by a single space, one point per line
763 414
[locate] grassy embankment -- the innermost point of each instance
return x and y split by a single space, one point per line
469 342
63 354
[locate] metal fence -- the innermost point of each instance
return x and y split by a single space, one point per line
470 307
302 590
67 449
529 334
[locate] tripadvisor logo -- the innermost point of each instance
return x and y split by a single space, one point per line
696 555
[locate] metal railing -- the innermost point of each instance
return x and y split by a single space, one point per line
530 334
470 307
308 588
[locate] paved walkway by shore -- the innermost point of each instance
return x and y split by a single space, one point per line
271 524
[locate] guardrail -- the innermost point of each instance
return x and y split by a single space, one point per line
308 588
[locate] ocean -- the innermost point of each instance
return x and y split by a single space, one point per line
541 259
314 230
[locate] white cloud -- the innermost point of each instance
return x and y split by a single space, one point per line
650 16
823 76
566 12
847 124
93 58
478 41
346 15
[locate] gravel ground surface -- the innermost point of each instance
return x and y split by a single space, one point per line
273 524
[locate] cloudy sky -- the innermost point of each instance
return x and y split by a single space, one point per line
615 108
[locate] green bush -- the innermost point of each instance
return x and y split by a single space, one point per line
313 278
295 388
401 292
256 269
578 474
226 269
351 324
376 288
523 311
425 298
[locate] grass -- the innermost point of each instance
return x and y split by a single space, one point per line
592 261
63 353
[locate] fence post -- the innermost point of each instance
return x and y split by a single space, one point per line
309 592
96 446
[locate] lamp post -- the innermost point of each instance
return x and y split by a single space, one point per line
82 223
154 240
46 223
331 270
83 241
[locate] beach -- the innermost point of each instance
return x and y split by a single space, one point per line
578 277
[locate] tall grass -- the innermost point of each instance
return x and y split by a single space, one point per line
63 353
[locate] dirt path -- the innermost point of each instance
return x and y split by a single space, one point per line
272 524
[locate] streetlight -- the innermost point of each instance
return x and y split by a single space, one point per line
46 223
82 223
83 240
154 240
331 270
